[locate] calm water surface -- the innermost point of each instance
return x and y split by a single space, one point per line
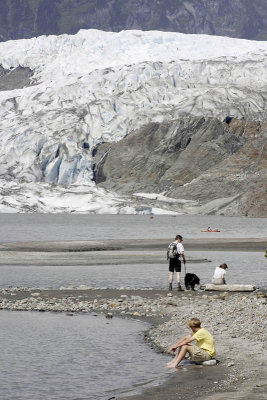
248 268
27 227
58 357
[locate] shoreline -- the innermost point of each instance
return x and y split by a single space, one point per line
233 318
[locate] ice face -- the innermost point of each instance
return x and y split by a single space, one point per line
98 86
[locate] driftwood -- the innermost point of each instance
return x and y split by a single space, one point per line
229 288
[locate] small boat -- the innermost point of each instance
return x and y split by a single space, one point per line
210 230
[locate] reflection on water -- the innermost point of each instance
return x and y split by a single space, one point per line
55 356
246 268
27 227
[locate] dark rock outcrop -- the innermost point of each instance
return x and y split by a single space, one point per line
16 78
196 159
239 18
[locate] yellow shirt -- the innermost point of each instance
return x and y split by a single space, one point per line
205 341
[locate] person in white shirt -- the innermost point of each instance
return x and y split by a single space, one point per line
219 275
175 263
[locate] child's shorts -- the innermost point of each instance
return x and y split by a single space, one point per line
198 354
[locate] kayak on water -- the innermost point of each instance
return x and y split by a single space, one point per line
210 230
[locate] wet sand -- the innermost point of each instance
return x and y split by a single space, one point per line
212 244
107 257
113 252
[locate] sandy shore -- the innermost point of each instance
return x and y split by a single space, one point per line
212 244
138 251
107 257
237 320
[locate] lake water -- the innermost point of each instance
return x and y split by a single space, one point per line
28 227
57 357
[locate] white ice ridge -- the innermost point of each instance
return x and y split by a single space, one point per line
55 57
98 86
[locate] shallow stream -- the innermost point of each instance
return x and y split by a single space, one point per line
243 267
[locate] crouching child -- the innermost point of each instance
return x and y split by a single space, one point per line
202 350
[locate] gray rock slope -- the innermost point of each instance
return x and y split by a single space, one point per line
15 78
236 18
219 166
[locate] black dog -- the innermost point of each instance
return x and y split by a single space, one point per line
190 280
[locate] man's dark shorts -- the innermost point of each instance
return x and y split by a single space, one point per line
175 265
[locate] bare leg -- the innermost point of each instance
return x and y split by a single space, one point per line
170 364
171 277
179 356
178 276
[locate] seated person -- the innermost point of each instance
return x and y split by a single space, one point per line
204 349
219 275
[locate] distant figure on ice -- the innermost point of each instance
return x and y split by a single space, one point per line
219 275
209 229
175 250
203 350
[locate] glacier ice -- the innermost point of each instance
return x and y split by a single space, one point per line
99 86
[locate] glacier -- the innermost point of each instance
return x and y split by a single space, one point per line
96 87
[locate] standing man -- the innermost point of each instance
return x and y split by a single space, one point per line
175 250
